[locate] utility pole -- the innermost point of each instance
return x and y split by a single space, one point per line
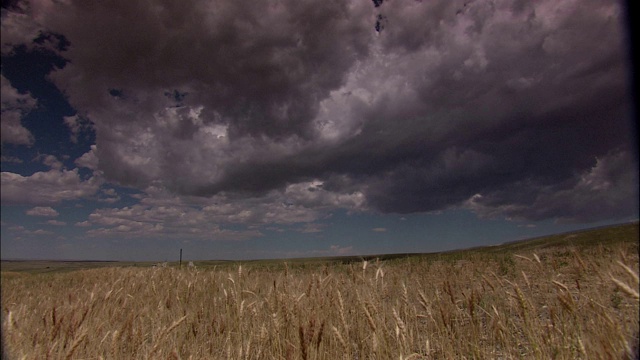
180 257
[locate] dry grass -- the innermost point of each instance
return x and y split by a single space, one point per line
554 303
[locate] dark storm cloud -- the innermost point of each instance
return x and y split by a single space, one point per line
535 97
259 67
515 109
607 190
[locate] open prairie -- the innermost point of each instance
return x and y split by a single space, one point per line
569 296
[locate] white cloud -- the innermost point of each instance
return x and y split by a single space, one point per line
89 159
43 211
333 250
14 107
173 221
109 196
159 213
52 162
311 228
11 159
313 194
22 230
341 250
46 188
56 223
18 27
77 125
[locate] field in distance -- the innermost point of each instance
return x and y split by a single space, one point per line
564 296
605 236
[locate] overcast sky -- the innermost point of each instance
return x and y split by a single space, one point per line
289 128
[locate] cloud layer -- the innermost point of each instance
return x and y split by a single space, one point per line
14 107
274 111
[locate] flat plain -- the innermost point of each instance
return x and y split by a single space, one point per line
567 296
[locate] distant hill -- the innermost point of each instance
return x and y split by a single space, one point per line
628 232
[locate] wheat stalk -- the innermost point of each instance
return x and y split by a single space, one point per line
75 344
370 321
629 271
340 338
522 257
625 288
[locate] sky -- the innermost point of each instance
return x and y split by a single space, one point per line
293 128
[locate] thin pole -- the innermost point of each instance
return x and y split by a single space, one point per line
180 257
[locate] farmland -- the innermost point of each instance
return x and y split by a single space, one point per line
564 296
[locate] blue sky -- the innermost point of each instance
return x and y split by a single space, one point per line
241 132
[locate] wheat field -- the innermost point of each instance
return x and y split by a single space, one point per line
554 302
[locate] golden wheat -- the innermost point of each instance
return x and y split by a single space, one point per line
555 303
